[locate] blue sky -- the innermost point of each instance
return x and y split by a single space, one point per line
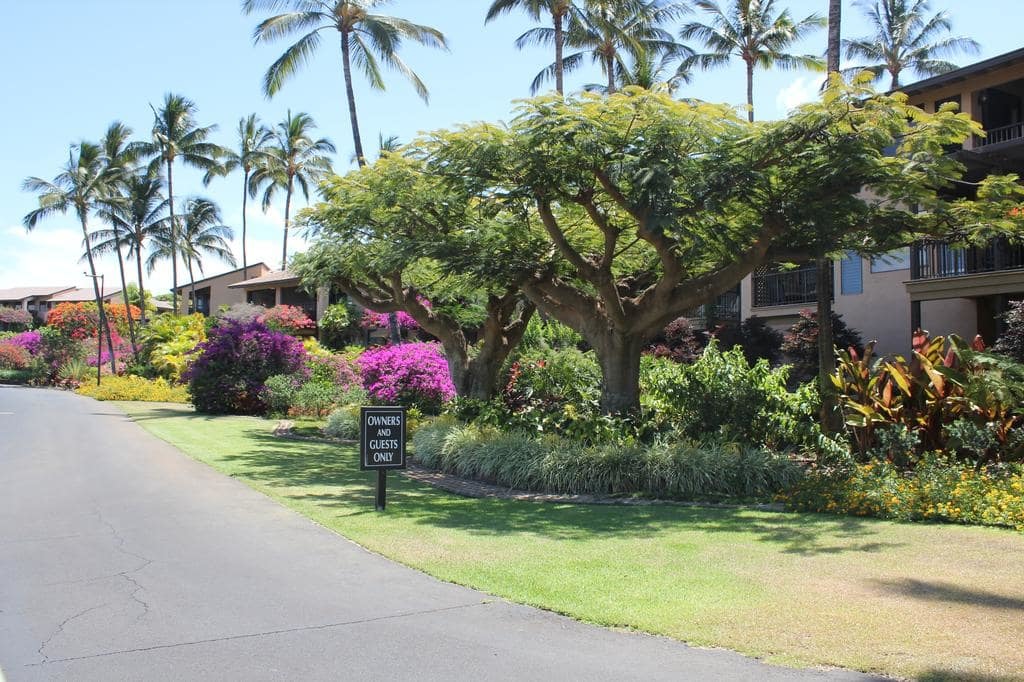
76 65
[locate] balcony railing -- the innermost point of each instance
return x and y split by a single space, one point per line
1014 131
790 287
726 308
935 259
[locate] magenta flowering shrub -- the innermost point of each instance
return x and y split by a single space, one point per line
408 374
31 341
372 320
227 371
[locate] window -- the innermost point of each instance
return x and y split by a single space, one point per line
851 278
892 261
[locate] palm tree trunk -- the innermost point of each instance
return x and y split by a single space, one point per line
829 415
609 63
192 285
750 91
127 305
835 11
138 265
174 235
559 48
104 323
245 199
287 213
351 96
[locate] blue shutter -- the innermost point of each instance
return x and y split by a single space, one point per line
851 277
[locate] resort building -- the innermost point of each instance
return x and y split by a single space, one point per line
929 285
214 292
40 300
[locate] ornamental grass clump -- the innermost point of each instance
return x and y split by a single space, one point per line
229 369
412 374
678 469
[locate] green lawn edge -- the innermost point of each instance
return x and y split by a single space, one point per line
793 589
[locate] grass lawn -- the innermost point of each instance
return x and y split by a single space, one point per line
927 601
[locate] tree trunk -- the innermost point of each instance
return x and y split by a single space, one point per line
826 349
174 236
610 67
127 305
351 96
559 48
750 91
192 285
829 417
619 357
835 9
138 265
104 323
287 212
245 200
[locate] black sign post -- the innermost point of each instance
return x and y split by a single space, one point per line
381 445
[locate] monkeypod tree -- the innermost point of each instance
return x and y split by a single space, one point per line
396 239
650 207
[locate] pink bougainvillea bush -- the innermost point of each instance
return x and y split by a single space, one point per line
408 374
372 320
290 319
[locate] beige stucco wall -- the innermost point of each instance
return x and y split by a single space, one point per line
950 316
220 294
882 312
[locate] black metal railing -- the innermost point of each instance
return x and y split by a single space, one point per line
934 259
725 308
1014 131
773 287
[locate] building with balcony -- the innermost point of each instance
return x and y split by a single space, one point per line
930 285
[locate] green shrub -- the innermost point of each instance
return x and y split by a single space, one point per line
167 342
279 393
681 469
548 334
16 376
337 325
938 489
722 396
316 398
343 423
134 388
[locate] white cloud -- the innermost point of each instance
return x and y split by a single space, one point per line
800 91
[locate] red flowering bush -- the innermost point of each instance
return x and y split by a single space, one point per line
80 320
408 374
75 320
229 369
290 319
13 357
14 319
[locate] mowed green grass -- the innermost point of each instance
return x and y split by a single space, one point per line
926 601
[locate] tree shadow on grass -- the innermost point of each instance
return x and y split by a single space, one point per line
351 491
957 676
946 592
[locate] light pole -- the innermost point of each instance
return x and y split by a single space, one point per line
99 327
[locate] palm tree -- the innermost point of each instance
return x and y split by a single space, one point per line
649 71
905 38
835 16
291 157
202 233
366 40
80 186
752 31
253 138
120 157
560 11
139 212
176 135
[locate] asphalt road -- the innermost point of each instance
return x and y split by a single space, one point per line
123 559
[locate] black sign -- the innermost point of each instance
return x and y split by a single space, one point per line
382 438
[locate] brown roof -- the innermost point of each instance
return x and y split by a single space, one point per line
78 295
272 279
963 73
21 293
258 267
